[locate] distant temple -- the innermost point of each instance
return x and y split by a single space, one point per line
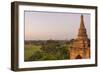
80 47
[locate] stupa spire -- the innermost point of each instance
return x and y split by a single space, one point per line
82 22
82 30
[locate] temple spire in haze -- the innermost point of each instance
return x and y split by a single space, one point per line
82 30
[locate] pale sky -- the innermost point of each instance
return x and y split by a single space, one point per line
52 25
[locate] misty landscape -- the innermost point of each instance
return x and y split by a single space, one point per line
56 36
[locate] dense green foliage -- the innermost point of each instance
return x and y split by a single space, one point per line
48 51
29 50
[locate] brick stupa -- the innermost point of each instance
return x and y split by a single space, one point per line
80 47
